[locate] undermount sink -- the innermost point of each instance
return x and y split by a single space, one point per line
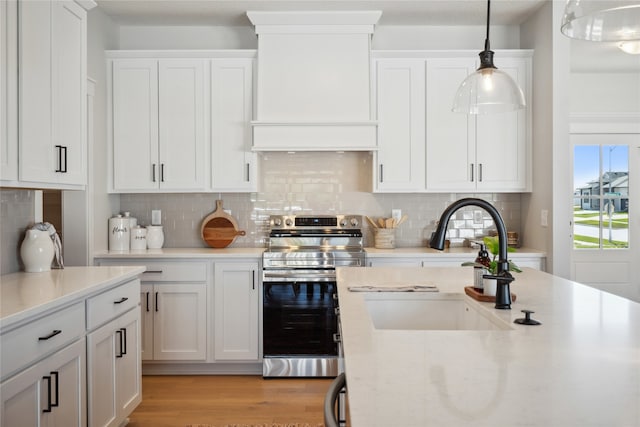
430 311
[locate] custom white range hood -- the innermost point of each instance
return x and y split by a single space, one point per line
313 86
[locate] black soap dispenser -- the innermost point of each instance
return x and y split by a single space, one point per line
482 264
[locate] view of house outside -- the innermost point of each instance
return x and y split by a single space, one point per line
601 197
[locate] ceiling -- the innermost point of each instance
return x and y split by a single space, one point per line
585 56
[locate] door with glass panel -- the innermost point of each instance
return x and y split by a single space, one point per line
606 212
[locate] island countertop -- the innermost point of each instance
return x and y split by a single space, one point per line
580 367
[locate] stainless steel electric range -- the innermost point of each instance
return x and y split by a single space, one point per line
300 307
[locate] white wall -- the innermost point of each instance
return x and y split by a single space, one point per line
605 92
536 34
183 37
384 37
102 35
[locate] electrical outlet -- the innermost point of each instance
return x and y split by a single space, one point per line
544 218
396 214
477 217
156 217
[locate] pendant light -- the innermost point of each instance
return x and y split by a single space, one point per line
610 21
488 90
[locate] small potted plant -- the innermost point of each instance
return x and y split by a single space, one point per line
492 245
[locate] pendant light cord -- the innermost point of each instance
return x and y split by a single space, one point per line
486 41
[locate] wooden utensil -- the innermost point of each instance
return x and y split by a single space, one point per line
403 219
372 222
220 229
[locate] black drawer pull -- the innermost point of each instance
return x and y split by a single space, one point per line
152 271
147 301
121 300
51 335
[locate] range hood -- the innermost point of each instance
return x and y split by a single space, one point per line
313 81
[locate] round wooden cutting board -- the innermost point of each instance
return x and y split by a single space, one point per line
220 229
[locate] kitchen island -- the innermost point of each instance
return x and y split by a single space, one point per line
580 367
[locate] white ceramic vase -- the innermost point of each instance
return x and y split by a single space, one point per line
37 251
155 236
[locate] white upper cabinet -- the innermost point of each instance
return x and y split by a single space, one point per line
159 125
450 136
52 93
8 90
233 165
484 153
135 124
425 147
400 94
503 147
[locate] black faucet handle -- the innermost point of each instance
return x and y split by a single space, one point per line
508 278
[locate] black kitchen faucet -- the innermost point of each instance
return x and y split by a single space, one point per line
503 277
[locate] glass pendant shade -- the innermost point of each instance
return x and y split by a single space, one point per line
486 91
601 21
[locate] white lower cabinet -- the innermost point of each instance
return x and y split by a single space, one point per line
49 393
174 320
236 311
114 368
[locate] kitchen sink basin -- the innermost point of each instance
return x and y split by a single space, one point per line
430 311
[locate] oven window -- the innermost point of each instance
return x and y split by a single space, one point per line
299 319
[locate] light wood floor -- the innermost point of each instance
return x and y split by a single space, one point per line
223 399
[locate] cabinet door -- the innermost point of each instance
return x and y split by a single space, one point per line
180 322
68 39
26 396
236 307
102 345
114 370
233 163
128 366
37 156
134 97
147 305
400 91
450 136
501 142
8 90
182 124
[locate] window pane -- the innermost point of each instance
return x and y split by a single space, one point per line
586 170
601 196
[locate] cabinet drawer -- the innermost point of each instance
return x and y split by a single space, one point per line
162 271
21 346
112 303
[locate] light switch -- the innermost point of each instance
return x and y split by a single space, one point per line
544 214
156 217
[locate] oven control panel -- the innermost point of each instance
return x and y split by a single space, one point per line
347 222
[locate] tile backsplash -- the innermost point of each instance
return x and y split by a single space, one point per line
16 214
317 183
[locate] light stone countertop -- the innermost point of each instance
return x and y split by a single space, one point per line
184 253
456 252
581 367
257 253
25 295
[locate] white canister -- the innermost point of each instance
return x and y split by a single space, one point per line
119 233
37 251
138 238
155 236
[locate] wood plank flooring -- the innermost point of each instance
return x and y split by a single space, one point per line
169 401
